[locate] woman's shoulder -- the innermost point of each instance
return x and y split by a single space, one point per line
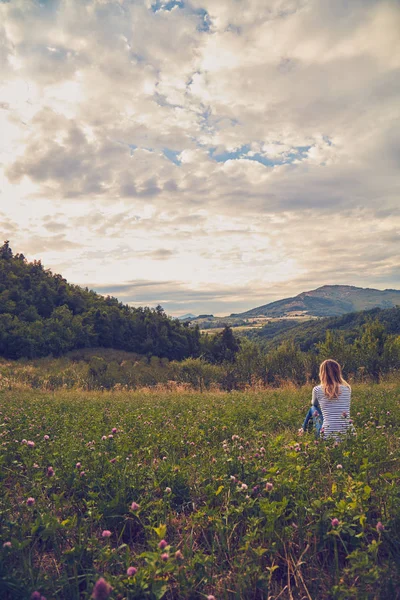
317 389
345 388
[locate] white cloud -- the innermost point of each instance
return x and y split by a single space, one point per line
222 143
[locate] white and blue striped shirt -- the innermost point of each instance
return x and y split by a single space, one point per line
336 411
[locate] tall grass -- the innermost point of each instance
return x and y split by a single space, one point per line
247 509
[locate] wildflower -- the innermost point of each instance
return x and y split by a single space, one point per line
78 465
106 533
31 501
339 467
167 490
46 437
114 430
165 556
178 555
244 486
101 590
35 466
344 414
269 486
82 473
37 596
211 597
233 478
110 437
335 522
135 506
103 437
50 472
30 444
112 461
163 544
24 441
131 571
7 545
380 527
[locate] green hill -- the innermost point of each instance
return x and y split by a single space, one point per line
307 334
42 314
327 301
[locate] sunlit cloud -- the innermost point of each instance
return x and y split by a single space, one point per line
241 153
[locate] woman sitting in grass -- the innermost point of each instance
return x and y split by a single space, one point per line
330 404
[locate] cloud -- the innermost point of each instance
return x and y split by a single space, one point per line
7 226
175 296
233 146
40 244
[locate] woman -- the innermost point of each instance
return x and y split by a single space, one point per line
331 399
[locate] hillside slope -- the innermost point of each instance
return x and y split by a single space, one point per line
328 300
42 314
307 335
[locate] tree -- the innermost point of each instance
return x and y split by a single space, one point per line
336 348
5 251
251 363
222 347
370 349
287 363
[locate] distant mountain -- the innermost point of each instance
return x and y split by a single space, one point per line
187 316
328 301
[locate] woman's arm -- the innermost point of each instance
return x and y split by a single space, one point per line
306 420
314 397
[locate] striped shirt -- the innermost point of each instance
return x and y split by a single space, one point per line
336 411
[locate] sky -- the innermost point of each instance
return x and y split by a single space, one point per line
206 155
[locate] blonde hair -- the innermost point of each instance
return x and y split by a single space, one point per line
330 374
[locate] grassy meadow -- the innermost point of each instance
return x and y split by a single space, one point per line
182 495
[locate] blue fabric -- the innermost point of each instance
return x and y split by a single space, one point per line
314 417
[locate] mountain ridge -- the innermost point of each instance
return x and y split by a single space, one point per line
327 300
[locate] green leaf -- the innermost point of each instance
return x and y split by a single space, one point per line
159 589
367 492
161 531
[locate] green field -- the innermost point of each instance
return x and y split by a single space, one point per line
247 509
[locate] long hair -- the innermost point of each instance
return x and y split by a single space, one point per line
330 374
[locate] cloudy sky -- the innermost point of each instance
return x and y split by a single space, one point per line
208 155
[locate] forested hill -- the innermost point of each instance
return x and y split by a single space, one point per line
307 335
42 314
